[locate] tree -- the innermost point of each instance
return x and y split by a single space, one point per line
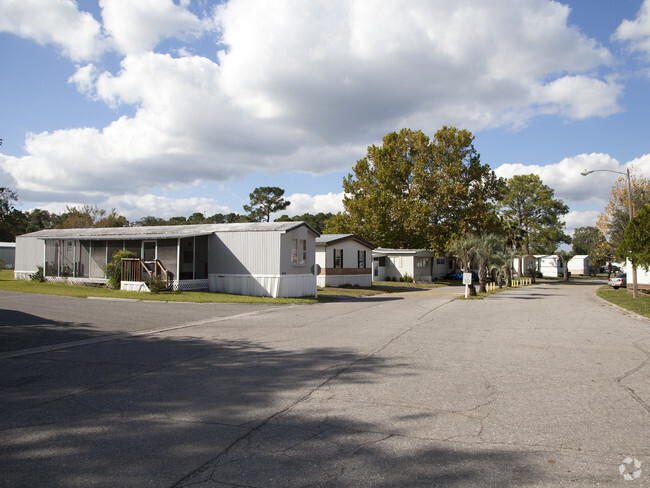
412 192
264 201
231 218
635 244
502 262
7 209
565 257
90 216
585 240
464 250
534 214
150 220
616 215
318 222
485 247
112 220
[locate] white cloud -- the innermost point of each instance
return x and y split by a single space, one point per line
302 203
307 86
636 32
575 219
59 22
137 27
565 178
581 97
134 207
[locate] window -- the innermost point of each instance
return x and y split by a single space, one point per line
298 251
361 259
422 263
440 261
338 258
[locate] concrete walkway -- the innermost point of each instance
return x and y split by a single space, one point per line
538 386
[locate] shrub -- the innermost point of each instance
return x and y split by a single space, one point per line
38 276
113 269
156 284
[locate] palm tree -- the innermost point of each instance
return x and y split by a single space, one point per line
565 257
463 250
502 262
485 247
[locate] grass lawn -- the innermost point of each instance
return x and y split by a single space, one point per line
623 299
8 283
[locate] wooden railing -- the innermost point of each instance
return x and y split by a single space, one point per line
134 269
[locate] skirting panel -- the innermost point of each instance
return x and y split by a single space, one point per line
76 281
134 286
276 286
186 285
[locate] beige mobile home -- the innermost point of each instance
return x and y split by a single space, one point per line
261 259
344 259
418 264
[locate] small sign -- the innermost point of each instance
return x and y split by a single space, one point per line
315 269
467 278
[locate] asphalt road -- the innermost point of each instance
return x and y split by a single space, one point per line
538 386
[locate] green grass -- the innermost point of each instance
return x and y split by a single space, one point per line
623 299
7 283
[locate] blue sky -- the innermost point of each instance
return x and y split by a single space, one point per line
167 108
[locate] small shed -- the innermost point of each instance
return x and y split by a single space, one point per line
580 264
7 254
260 259
417 264
344 259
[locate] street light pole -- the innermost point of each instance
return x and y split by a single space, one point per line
630 207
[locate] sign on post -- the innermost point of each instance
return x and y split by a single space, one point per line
467 280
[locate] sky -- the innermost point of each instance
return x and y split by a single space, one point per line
166 108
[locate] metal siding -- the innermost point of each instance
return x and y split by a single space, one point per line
29 254
285 256
248 253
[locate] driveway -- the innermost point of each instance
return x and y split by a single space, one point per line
537 386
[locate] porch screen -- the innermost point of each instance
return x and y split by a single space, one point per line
52 257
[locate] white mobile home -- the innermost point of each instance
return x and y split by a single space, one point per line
580 264
550 265
260 259
344 259
7 254
418 264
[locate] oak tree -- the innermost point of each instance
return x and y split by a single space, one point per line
413 192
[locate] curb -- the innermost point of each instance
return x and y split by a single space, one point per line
624 311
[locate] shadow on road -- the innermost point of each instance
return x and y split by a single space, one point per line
150 410
20 330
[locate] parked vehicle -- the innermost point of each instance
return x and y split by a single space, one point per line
459 276
617 281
